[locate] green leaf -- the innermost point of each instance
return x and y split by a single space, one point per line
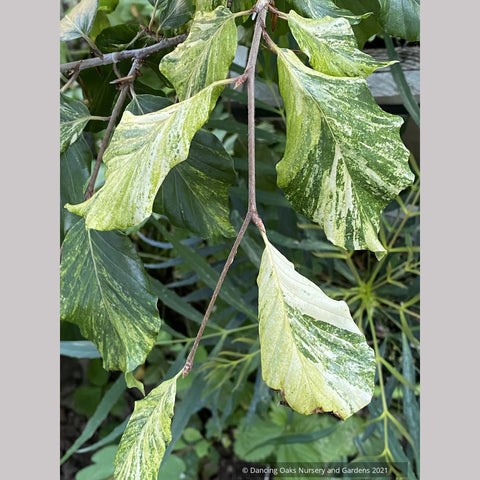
175 14
106 404
208 5
102 467
107 6
401 18
311 349
344 159
132 382
332 47
142 151
79 349
147 434
195 192
79 21
104 289
194 195
206 54
320 8
74 115
75 164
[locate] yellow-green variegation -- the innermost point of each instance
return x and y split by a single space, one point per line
344 159
74 115
143 150
311 349
147 434
206 54
79 20
105 290
332 47
321 8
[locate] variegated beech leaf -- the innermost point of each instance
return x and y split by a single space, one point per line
332 47
79 20
105 290
206 54
143 149
74 115
344 159
311 349
147 434
320 8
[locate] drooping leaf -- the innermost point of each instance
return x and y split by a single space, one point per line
344 159
104 289
143 149
206 54
79 21
194 195
320 8
74 173
401 18
74 115
331 46
311 349
147 434
175 14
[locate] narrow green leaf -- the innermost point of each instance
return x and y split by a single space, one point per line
143 149
104 289
344 159
147 434
79 349
79 21
332 47
206 54
320 8
112 436
402 85
75 164
104 407
401 18
208 274
311 349
74 115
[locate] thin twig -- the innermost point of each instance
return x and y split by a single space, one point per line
251 215
124 55
124 89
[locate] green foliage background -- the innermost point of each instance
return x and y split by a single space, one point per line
224 411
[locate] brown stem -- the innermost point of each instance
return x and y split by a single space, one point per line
126 54
252 214
111 125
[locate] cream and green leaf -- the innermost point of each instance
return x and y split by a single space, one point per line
206 54
194 195
332 47
79 20
320 8
147 434
74 115
311 349
105 290
344 159
143 150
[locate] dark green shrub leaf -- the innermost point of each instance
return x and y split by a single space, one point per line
175 14
79 21
147 434
401 18
311 349
104 290
344 158
206 54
